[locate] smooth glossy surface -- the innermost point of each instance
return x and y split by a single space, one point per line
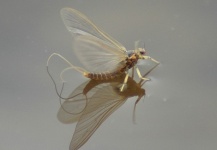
179 110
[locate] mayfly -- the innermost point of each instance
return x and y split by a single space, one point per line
99 99
102 56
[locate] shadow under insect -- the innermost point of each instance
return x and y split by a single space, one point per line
93 102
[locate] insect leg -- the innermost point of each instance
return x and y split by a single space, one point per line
133 72
134 109
148 57
140 76
125 82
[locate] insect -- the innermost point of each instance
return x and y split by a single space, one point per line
102 56
92 103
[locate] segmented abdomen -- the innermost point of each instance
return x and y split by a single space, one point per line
103 76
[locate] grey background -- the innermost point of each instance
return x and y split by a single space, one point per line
180 108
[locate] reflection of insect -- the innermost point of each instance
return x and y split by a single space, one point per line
102 56
93 102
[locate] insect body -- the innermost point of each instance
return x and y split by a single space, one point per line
128 63
102 56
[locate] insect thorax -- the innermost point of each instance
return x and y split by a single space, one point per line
131 60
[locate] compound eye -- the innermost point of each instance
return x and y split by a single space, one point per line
142 52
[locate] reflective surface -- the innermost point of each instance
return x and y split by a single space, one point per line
93 102
179 110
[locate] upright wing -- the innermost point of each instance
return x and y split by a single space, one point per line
102 104
97 55
79 24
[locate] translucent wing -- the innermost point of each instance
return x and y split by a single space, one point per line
79 24
97 55
72 108
102 104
